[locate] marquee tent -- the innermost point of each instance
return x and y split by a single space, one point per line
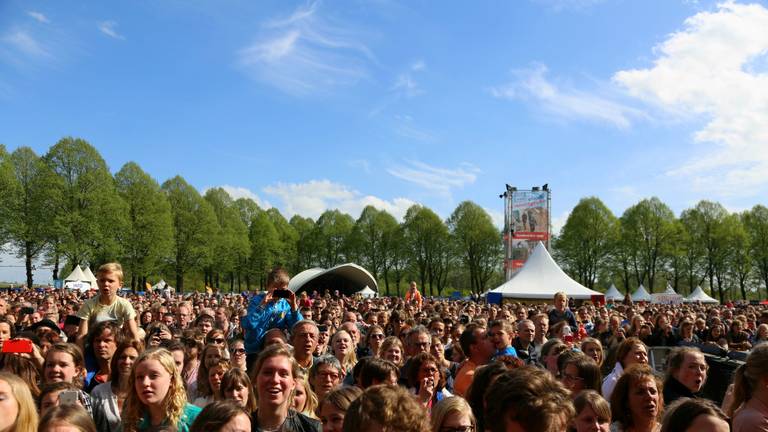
641 294
89 276
613 294
158 287
347 278
698 295
367 292
77 280
669 296
541 278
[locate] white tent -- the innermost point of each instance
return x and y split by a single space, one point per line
641 294
698 295
541 278
89 276
613 294
158 287
669 296
367 292
77 280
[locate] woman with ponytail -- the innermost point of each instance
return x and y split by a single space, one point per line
749 408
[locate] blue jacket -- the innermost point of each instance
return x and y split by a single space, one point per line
261 318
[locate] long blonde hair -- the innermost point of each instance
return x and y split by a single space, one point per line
174 401
748 376
350 359
26 419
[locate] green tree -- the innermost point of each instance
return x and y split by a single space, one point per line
248 209
333 228
265 246
8 188
307 243
738 262
231 244
478 243
31 203
586 239
194 225
288 238
92 213
756 225
425 233
392 249
649 227
705 224
147 241
369 232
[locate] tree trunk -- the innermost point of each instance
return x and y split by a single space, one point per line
28 262
55 266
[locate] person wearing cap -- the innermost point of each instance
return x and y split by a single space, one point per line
266 312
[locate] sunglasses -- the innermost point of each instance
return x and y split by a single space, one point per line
239 351
217 341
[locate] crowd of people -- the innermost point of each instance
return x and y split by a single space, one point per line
281 361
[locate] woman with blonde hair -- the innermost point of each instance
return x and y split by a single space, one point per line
157 397
20 414
304 398
747 409
344 350
392 349
594 349
453 413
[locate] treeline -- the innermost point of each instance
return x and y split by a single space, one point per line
649 245
66 208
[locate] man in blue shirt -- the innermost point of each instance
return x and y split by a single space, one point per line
267 311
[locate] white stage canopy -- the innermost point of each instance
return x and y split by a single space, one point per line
698 295
347 278
541 278
641 294
613 294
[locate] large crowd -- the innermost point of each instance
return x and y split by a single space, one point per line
281 361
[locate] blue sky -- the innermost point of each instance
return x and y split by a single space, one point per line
313 105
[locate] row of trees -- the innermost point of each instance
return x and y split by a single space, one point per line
649 245
68 209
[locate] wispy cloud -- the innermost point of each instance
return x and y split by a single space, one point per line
361 164
312 198
406 84
306 53
436 179
532 85
715 68
109 28
39 17
24 43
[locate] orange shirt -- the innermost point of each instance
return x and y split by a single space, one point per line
464 378
415 297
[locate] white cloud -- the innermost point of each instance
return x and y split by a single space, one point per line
406 85
439 180
237 192
312 198
24 43
570 104
496 216
715 69
306 53
39 17
109 29
558 222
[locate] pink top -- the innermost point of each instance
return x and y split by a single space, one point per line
751 417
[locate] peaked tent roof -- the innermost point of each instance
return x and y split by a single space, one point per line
613 294
89 276
669 289
367 292
77 275
641 294
698 295
541 278
348 278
